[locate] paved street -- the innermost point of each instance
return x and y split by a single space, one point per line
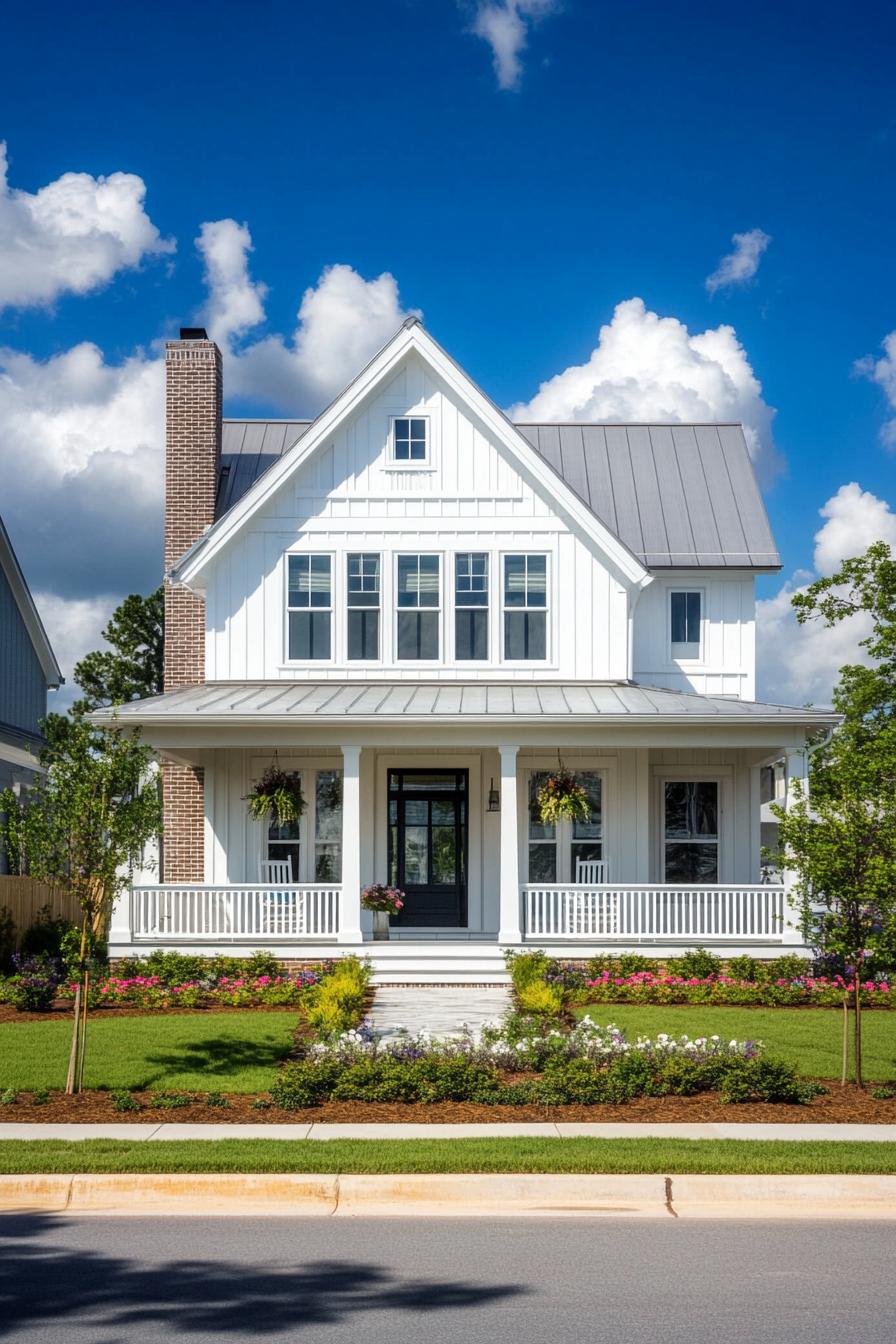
106 1281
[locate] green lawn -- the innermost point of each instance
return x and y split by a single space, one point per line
344 1156
810 1038
221 1052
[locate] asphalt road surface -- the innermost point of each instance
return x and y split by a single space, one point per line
129 1280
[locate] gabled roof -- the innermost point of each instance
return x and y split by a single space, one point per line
28 611
298 702
680 496
677 496
412 337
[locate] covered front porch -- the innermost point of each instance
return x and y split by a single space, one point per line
444 806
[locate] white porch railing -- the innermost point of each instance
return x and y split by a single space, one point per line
232 913
630 913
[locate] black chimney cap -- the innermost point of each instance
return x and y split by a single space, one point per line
193 334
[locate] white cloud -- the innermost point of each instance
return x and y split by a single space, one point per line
74 626
798 664
235 303
646 367
883 372
742 264
505 26
72 235
81 439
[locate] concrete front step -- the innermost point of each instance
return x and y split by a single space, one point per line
462 963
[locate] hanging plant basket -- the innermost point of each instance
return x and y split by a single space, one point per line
562 798
276 798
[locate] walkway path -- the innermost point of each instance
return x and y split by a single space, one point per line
440 1010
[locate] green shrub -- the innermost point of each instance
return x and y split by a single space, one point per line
40 1098
171 1101
7 938
763 1079
70 952
217 1100
44 937
35 983
884 1093
527 968
9 1096
597 965
788 967
305 1083
173 968
743 968
542 999
632 963
695 964
261 1104
125 1101
336 1004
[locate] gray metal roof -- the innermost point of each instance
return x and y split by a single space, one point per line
408 702
248 448
678 496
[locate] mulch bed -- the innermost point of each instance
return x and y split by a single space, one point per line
839 1106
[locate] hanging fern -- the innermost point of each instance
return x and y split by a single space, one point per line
562 798
277 797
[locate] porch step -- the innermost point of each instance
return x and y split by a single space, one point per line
442 1012
408 962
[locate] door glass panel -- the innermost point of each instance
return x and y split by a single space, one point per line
430 782
416 854
542 863
443 813
692 831
444 855
692 862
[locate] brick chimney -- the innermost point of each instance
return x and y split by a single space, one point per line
193 408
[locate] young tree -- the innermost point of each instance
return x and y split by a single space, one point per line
83 826
841 841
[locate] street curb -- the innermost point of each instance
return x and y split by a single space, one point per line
455 1195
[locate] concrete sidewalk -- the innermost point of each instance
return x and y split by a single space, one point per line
622 1130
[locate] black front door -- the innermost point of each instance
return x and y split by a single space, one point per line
428 846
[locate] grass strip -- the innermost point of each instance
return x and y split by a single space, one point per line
809 1038
197 1052
414 1156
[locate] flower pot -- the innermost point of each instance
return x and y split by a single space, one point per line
380 926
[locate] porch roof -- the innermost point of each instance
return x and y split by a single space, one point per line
359 702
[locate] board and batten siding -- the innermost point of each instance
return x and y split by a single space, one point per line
727 662
470 497
23 683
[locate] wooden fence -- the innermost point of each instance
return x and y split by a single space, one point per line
24 897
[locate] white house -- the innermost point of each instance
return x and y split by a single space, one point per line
419 606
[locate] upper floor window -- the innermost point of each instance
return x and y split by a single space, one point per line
685 624
410 439
525 607
471 606
310 604
363 602
418 607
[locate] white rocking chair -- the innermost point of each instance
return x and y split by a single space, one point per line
590 912
277 906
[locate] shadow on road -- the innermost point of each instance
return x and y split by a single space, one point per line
43 1281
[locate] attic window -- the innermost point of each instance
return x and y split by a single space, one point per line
410 439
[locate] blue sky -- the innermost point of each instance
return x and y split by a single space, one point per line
634 143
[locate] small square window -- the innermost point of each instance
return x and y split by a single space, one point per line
409 439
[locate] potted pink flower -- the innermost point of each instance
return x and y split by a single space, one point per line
383 901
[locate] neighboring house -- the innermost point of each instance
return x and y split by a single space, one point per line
417 605
28 669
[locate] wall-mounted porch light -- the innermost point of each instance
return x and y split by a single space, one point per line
494 798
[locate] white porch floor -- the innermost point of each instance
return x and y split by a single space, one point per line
440 1010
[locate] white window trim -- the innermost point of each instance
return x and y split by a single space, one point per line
453 607
378 660
427 463
438 661
257 848
700 659
549 609
723 775
335 578
564 835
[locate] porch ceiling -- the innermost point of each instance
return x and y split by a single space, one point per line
358 703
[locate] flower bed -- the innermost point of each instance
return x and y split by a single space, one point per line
149 991
645 987
519 1063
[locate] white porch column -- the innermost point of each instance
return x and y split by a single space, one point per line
350 896
511 925
796 768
